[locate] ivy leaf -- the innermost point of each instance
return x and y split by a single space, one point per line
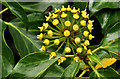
97 6
18 11
42 6
95 58
33 65
81 5
104 17
105 73
111 41
71 70
6 57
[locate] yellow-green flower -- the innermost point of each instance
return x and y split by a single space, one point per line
67 50
76 59
52 55
40 36
85 33
66 33
77 40
79 49
43 48
68 9
50 33
83 23
75 27
63 8
74 10
75 16
55 22
56 41
46 41
63 15
67 23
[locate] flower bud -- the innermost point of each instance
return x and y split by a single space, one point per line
67 23
89 26
50 33
62 59
67 49
63 8
86 43
56 41
75 27
43 48
47 18
55 22
76 59
75 16
54 16
85 33
89 51
40 36
74 10
66 33
68 9
90 37
52 55
45 25
57 11
77 40
83 23
90 21
46 41
79 50
63 15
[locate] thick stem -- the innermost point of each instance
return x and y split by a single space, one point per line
97 49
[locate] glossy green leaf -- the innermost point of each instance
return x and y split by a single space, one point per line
111 41
42 6
71 70
54 71
23 40
107 18
33 65
107 74
6 57
93 57
81 5
18 11
96 6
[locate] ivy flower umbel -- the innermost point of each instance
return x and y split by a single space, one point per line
71 30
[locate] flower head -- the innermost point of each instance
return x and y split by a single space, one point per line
68 29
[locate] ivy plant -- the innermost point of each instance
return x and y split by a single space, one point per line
61 39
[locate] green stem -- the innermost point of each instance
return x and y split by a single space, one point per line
53 37
61 45
84 71
50 45
4 10
54 29
72 49
97 49
61 22
93 68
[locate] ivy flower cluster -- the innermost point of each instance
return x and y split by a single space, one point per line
72 31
